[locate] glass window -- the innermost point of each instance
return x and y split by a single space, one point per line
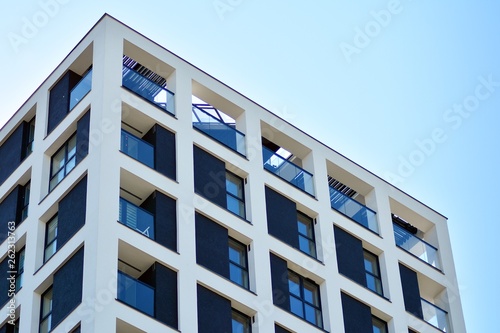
25 201
304 299
372 268
306 234
46 312
20 269
238 266
30 137
50 238
62 162
240 322
379 326
235 194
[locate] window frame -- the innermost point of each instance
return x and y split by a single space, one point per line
310 240
382 324
241 201
20 268
30 138
241 315
378 278
302 281
52 241
25 202
67 159
243 251
48 315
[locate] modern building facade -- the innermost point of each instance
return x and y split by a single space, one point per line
140 194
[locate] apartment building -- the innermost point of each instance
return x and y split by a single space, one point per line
140 194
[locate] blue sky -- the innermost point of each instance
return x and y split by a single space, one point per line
408 89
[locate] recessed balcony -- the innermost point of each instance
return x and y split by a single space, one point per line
217 128
137 294
81 89
288 171
148 89
435 316
138 149
416 246
137 218
353 209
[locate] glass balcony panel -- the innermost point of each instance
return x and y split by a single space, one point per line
136 294
435 316
81 89
149 90
416 246
137 218
353 209
138 149
226 134
288 171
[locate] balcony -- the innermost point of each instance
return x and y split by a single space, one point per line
435 316
288 171
416 246
148 89
354 210
138 149
218 130
137 294
81 89
137 218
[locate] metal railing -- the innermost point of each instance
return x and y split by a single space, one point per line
226 134
288 171
416 246
149 90
354 210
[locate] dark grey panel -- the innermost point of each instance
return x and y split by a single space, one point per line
67 288
357 316
350 258
279 280
209 177
281 218
11 152
214 312
59 99
165 211
72 212
82 137
411 291
212 249
8 211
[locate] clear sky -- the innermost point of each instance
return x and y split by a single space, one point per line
408 89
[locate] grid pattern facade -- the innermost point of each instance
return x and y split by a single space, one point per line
140 194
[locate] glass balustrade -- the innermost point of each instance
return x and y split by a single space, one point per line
137 218
353 209
136 294
138 149
416 246
435 316
226 134
288 171
149 90
81 89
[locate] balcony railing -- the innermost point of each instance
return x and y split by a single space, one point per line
81 89
218 130
137 218
150 90
435 316
138 149
353 209
136 294
288 171
416 246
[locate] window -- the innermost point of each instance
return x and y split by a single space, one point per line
304 298
379 326
62 162
50 238
235 194
238 266
30 137
240 322
25 201
306 234
372 268
20 269
46 312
